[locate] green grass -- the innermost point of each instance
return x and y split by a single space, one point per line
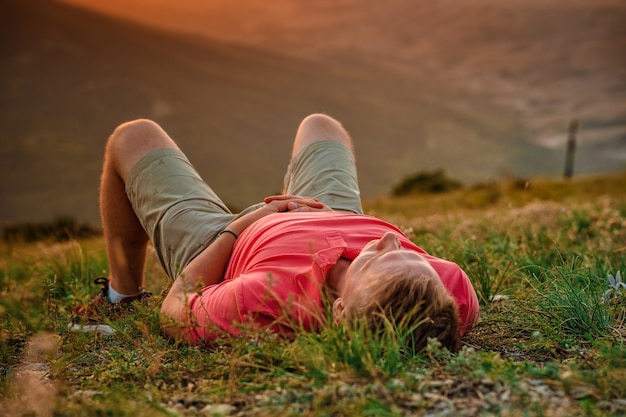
547 343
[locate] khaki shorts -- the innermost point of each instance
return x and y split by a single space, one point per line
182 215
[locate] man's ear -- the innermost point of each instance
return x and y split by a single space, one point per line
339 310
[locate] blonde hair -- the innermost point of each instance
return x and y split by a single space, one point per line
415 303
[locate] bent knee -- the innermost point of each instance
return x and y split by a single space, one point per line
139 134
132 140
320 127
321 123
135 129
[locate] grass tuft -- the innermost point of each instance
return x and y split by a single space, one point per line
571 300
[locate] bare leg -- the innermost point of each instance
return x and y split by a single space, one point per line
125 238
333 180
318 127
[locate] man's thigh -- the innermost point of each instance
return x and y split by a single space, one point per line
180 213
325 170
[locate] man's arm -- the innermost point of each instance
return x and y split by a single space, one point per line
209 266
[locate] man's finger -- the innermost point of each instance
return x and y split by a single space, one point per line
284 197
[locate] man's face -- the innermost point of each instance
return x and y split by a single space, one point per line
380 259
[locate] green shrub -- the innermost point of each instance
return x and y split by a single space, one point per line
61 229
435 181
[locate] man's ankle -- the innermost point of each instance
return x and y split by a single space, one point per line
116 297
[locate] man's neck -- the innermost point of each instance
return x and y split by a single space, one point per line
336 276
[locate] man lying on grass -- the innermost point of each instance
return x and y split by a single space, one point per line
269 265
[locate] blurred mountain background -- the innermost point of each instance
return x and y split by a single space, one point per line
480 88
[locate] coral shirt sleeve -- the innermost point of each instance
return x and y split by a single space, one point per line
460 287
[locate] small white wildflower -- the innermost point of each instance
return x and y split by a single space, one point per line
616 285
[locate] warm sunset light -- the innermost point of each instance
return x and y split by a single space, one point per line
229 20
481 87
312 208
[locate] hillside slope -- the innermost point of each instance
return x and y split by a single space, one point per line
69 76
549 60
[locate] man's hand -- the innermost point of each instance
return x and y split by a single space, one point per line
282 203
277 204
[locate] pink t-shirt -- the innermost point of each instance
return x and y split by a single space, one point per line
278 267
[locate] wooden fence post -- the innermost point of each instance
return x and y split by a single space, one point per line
571 149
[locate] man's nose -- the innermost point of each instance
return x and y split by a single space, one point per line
389 241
